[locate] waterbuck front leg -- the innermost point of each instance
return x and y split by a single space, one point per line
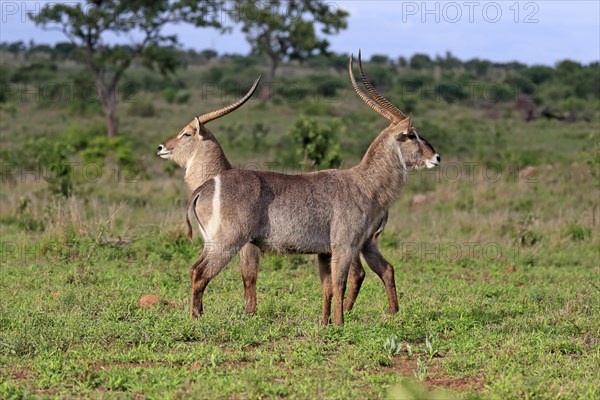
325 274
211 262
383 269
355 280
341 260
249 256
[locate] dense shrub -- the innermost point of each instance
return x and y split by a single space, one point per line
450 91
578 233
521 83
37 71
169 94
539 74
50 159
142 108
414 80
326 85
316 144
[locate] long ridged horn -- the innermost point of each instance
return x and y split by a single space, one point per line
383 102
384 113
226 110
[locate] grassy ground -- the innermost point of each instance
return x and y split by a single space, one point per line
497 272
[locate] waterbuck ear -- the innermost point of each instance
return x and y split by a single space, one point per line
197 124
403 127
200 129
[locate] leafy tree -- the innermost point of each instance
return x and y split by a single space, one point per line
38 49
521 83
539 73
380 59
448 62
477 66
64 50
16 47
567 68
88 24
316 143
208 54
287 30
421 61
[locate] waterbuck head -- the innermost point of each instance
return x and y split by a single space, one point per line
414 151
188 143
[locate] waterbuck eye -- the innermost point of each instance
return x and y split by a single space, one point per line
412 136
186 133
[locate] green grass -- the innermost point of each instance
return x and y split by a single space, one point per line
73 328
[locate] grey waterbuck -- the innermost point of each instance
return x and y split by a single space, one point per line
331 213
197 150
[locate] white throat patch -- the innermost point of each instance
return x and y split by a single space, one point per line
399 149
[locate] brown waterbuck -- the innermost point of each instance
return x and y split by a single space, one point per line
197 150
331 213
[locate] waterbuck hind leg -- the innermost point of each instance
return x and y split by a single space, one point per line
249 259
325 274
356 277
195 306
340 266
384 270
211 262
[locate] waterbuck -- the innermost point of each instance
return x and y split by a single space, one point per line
197 150
331 213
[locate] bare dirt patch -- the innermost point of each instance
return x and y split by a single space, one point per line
436 377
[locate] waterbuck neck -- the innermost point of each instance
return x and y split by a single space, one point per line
207 161
382 172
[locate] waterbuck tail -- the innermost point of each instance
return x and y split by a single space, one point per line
191 206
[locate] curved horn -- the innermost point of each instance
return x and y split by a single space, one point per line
384 113
226 110
383 102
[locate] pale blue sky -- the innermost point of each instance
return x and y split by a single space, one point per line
533 32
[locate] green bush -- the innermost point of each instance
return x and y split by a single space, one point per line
381 76
326 85
450 91
146 80
142 108
316 143
78 137
23 218
9 108
92 107
410 81
37 71
172 95
593 156
4 79
539 74
578 233
169 94
520 83
498 93
51 159
183 97
212 75
316 108
99 148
